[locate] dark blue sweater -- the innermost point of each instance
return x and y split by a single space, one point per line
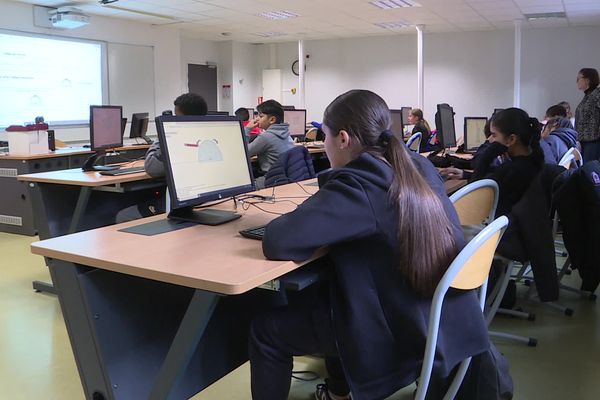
380 324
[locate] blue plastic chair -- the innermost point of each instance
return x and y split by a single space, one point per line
414 142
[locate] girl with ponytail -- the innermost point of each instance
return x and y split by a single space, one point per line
391 232
516 136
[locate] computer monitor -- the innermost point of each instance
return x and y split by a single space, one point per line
139 127
224 113
105 127
397 127
206 159
123 126
297 121
474 132
105 133
405 113
444 123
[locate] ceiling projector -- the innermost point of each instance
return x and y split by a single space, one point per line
68 18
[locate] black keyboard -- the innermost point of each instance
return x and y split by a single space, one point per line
254 233
123 171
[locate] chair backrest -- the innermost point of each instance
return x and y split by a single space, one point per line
571 155
414 142
476 203
311 135
469 270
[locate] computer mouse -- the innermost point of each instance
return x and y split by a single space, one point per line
87 146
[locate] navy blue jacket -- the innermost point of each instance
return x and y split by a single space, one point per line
380 324
292 166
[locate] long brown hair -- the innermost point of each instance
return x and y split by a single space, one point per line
422 218
417 112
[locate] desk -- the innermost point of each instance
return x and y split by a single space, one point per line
16 210
145 314
71 200
163 317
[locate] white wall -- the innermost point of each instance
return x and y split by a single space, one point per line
225 75
551 60
472 71
247 76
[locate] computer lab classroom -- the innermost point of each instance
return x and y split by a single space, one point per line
412 212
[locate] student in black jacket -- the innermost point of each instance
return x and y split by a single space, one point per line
391 233
516 136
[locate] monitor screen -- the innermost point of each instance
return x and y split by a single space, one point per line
405 113
206 158
397 127
139 125
297 121
444 123
474 132
105 127
225 113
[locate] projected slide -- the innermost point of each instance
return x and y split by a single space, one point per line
206 157
58 79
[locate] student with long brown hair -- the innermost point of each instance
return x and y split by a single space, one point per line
420 125
391 232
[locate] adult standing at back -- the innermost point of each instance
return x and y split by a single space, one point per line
587 114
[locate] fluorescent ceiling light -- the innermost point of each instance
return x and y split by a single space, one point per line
550 15
393 25
389 4
277 15
270 34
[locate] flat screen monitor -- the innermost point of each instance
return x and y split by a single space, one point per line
474 132
397 127
206 159
139 125
444 123
123 126
224 113
105 127
405 113
297 121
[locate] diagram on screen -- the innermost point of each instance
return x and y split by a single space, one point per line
208 150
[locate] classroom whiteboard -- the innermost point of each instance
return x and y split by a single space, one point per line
131 78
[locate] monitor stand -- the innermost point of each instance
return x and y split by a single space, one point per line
147 139
90 164
208 216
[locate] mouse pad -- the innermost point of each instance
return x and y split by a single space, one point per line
157 227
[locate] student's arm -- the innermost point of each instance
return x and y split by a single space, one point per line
339 211
482 165
154 163
258 145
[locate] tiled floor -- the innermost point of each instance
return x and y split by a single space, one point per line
36 361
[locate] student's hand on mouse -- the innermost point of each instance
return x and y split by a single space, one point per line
452 173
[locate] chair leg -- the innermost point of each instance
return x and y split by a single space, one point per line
531 342
515 313
497 297
555 306
457 381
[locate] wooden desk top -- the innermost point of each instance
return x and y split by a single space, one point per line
213 258
77 177
67 151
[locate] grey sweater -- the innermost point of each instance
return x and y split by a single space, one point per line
154 162
587 116
270 144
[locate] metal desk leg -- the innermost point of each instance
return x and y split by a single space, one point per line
82 201
184 344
